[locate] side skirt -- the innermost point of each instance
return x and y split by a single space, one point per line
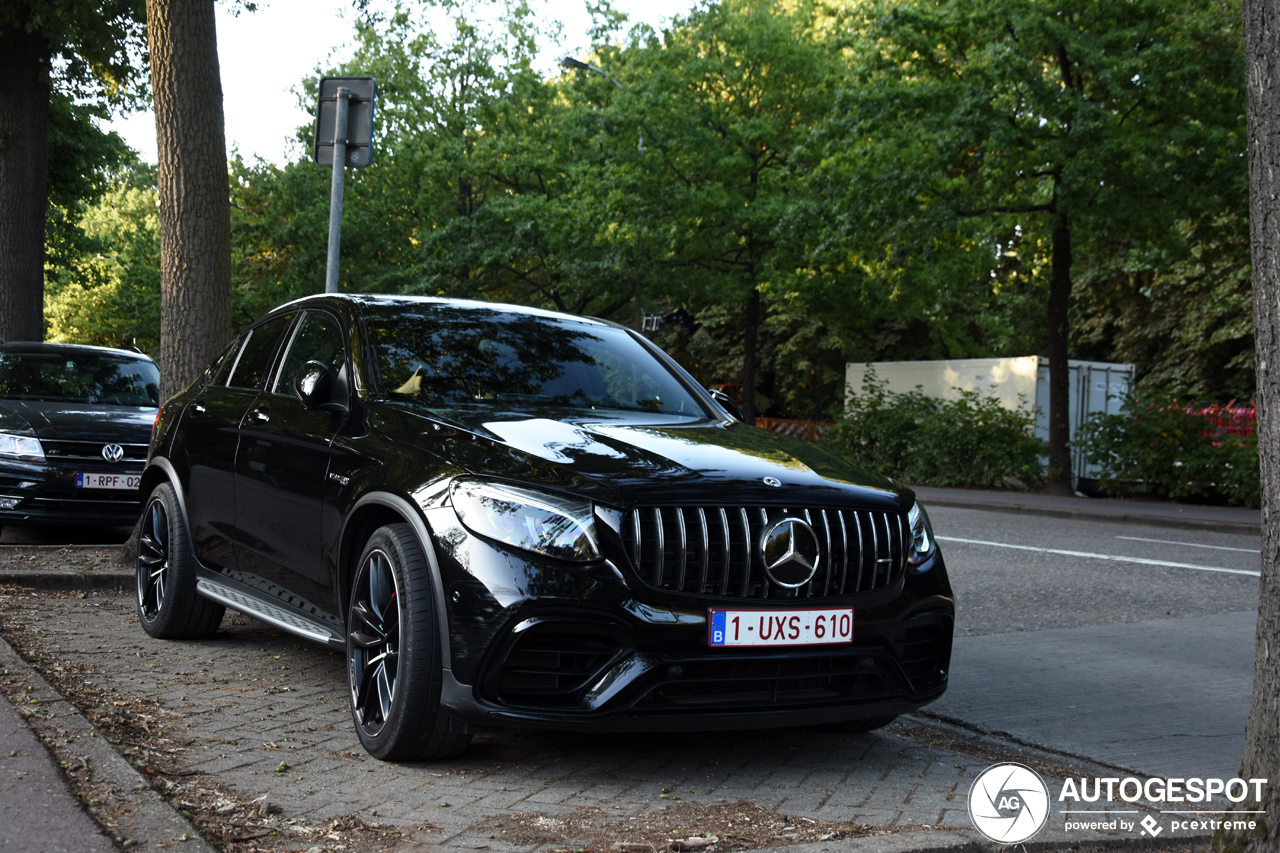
246 602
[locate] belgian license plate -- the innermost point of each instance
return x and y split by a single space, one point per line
808 627
108 481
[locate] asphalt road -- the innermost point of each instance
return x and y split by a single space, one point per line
1131 646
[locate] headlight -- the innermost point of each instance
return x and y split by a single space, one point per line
21 447
535 521
921 535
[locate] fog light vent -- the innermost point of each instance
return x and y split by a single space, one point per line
552 668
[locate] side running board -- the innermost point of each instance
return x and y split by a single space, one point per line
293 622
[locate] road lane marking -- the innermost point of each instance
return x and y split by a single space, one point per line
1190 544
1117 558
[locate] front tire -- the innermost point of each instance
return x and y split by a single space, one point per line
168 605
394 666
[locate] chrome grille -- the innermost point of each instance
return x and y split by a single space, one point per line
716 550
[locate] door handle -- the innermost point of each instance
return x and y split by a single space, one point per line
198 408
260 416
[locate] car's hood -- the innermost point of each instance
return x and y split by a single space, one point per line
77 421
639 460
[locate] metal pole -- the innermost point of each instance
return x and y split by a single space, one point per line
335 190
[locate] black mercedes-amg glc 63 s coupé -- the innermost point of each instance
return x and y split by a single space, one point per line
509 517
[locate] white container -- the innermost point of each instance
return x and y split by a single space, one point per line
1095 386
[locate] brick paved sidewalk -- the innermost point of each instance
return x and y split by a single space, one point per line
266 716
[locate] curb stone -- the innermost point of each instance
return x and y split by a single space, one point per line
1001 742
69 580
1009 744
151 820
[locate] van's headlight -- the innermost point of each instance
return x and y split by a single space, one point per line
922 546
22 447
524 518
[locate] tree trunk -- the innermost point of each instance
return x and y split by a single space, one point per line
1262 736
24 168
195 214
750 359
1059 476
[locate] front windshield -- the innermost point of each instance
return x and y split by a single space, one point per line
443 355
79 377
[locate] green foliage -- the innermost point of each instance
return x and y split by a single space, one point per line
1157 448
99 47
977 126
972 441
98 52
107 292
876 177
1185 317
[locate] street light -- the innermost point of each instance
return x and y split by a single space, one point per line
568 62
577 65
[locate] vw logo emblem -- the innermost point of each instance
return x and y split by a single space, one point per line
112 452
773 481
790 552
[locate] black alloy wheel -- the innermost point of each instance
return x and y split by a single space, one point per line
153 560
374 640
394 654
169 607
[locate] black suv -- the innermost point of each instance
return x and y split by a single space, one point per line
74 426
509 517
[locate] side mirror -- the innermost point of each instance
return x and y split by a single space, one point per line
726 403
313 385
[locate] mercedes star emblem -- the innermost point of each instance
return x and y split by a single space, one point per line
790 552
112 452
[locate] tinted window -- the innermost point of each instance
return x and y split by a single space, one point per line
216 373
255 359
442 355
99 378
319 338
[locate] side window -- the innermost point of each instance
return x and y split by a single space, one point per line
254 361
216 373
319 338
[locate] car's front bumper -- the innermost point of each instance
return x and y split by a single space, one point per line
47 494
537 643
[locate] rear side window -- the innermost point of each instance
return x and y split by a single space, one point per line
254 361
216 373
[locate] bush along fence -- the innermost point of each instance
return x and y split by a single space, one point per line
1164 449
972 441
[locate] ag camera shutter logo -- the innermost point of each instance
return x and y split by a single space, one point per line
1008 803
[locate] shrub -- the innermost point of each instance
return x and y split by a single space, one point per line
1159 449
973 441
